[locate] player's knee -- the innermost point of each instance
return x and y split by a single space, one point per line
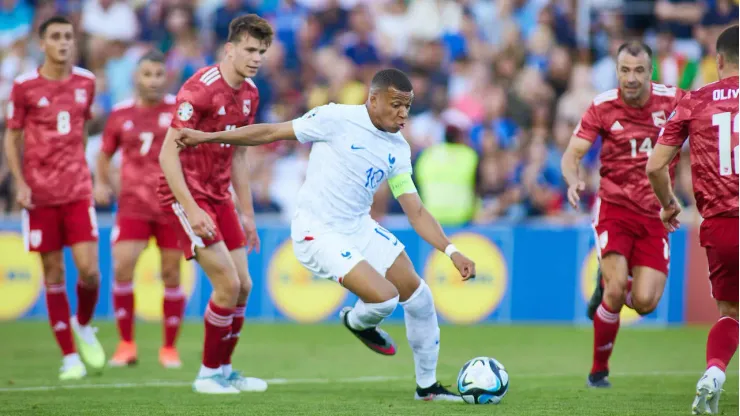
89 274
245 288
53 274
644 303
171 276
615 292
123 272
728 309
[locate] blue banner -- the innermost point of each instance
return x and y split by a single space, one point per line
526 273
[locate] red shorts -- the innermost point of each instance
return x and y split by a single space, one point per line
642 240
719 237
228 227
136 229
50 228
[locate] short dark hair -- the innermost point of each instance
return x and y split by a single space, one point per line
727 44
391 77
50 21
252 25
153 55
635 47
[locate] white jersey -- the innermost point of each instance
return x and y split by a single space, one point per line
350 158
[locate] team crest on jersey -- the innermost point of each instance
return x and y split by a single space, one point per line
247 107
185 111
659 118
165 119
80 96
128 125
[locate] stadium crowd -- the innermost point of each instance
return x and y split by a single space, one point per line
507 78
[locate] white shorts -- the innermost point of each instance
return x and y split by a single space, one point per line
331 255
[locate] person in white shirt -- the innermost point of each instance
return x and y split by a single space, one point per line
355 149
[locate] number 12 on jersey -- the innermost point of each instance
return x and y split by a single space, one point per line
726 151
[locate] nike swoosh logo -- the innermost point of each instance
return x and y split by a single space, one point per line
354 147
466 383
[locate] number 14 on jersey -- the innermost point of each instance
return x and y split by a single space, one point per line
726 149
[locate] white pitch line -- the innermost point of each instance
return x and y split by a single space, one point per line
366 379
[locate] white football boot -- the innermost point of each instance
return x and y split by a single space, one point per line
215 384
708 391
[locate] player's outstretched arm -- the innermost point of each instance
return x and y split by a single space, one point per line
13 147
429 229
252 135
570 165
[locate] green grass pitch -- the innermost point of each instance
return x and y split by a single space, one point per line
323 370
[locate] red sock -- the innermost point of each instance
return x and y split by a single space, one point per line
606 326
123 305
628 299
722 342
87 298
58 308
173 308
236 327
218 325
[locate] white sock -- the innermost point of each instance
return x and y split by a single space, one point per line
422 331
226 369
716 373
71 359
369 315
208 372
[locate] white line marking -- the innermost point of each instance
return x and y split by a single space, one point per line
366 379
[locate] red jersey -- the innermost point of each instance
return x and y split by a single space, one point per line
207 103
710 116
628 135
52 115
139 133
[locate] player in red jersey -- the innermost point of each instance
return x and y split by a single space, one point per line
45 147
630 238
710 117
138 127
195 191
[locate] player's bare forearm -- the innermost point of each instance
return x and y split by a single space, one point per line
423 222
13 148
85 135
241 182
657 170
571 162
169 160
102 170
255 134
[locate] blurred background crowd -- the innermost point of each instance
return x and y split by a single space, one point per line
500 84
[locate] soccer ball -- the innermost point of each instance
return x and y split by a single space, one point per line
483 380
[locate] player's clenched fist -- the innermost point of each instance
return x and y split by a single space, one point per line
574 193
190 138
464 265
201 223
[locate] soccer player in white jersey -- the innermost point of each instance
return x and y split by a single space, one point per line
356 148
